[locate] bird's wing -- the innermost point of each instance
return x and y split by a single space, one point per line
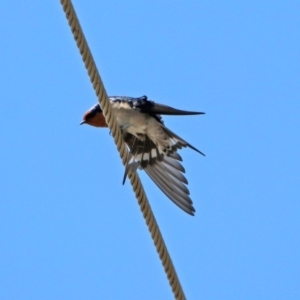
164 169
150 107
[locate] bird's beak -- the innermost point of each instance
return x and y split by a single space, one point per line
83 122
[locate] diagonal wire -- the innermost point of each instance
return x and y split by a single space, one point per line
116 133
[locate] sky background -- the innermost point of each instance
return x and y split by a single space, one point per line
70 230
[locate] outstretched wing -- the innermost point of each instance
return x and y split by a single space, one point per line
163 167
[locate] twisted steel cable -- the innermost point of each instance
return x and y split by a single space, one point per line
116 133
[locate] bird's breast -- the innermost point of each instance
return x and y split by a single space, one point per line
132 121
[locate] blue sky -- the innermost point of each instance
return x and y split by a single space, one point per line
70 230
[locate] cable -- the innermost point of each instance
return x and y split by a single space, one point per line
116 133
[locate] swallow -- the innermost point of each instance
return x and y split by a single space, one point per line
152 146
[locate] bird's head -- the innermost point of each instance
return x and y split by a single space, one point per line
94 117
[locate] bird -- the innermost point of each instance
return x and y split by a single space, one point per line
152 146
